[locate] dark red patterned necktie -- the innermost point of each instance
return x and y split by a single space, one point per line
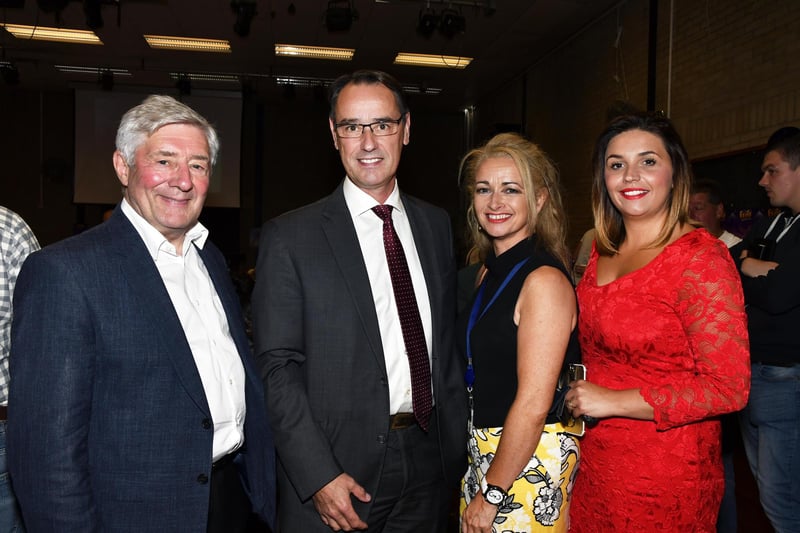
410 321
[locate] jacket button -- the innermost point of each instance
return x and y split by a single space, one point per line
381 439
202 479
206 423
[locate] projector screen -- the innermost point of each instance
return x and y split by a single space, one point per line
97 116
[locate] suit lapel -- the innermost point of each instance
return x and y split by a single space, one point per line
343 241
150 296
427 252
431 254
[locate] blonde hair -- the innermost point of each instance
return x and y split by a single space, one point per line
539 177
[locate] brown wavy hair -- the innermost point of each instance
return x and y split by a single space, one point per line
607 218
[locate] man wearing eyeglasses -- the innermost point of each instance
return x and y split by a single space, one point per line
353 314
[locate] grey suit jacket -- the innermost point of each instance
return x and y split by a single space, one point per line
318 344
109 428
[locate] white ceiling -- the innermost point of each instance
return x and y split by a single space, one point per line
515 35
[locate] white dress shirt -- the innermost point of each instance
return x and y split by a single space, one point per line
205 325
369 228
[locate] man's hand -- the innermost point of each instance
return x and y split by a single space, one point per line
334 506
753 268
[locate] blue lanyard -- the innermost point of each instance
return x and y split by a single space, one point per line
476 314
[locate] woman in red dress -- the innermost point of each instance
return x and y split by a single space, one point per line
664 339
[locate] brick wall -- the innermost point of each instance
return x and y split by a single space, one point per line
735 78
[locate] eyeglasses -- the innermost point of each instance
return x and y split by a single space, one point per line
380 128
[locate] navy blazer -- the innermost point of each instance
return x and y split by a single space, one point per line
109 428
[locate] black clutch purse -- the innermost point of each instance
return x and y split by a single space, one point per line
558 410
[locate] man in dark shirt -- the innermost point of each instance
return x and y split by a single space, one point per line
769 263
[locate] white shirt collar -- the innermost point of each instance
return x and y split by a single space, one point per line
155 241
359 202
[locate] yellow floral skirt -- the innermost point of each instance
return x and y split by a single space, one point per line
539 498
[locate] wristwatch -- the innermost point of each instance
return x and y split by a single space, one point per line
492 493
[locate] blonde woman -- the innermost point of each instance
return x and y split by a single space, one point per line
516 334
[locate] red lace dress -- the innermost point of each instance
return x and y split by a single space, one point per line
676 330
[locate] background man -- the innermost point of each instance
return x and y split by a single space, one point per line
357 442
706 207
134 405
16 243
770 270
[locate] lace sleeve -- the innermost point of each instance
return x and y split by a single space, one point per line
710 305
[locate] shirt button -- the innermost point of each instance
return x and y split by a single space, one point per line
202 479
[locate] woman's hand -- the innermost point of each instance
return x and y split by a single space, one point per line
585 398
478 516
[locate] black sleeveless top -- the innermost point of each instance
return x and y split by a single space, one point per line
494 336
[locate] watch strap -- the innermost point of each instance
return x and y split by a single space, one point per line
486 488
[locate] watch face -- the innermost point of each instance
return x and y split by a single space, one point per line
494 496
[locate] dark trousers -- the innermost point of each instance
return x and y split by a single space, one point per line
411 495
228 504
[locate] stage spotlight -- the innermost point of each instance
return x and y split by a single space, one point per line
452 23
52 6
428 22
94 17
9 73
245 12
340 15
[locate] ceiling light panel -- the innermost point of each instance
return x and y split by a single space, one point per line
188 43
314 52
60 35
426 60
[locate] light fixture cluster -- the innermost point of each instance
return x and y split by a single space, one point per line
245 12
449 22
339 15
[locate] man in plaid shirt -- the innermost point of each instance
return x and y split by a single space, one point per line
16 242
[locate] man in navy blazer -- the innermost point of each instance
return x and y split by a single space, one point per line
134 404
354 453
